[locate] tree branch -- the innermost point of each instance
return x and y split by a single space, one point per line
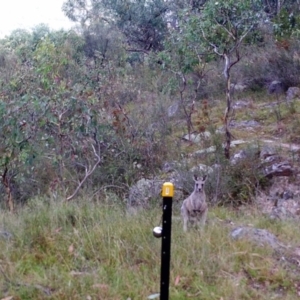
88 172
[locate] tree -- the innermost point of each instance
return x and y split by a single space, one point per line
225 27
214 29
143 22
183 57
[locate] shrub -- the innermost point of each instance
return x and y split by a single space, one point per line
236 183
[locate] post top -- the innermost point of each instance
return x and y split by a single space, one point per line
168 189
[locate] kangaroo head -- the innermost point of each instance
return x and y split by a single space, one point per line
199 183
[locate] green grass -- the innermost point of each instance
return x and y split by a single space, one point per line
86 250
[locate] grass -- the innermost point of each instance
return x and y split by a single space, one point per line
86 250
93 250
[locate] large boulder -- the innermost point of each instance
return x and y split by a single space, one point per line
292 93
283 168
260 237
143 192
146 192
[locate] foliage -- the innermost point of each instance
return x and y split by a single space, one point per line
225 24
123 87
141 22
286 25
276 60
62 108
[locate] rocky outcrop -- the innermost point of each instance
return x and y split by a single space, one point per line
260 237
292 93
143 192
282 201
283 168
275 165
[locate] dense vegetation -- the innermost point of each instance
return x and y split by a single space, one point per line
80 110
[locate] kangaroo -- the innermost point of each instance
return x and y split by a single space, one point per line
194 208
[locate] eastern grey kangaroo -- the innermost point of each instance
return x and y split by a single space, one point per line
194 207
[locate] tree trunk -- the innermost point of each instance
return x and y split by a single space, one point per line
228 107
6 183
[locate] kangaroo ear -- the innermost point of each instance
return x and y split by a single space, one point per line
195 178
204 178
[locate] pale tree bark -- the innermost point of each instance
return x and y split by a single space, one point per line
227 68
89 170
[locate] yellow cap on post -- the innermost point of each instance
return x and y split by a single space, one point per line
168 189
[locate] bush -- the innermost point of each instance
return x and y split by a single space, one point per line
274 61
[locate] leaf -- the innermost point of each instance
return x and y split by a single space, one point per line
77 273
177 279
71 249
154 296
100 286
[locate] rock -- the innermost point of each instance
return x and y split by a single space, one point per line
197 138
247 154
238 87
202 169
240 104
279 169
292 93
282 201
147 192
241 155
199 153
143 192
286 195
171 166
261 237
237 143
5 235
285 209
248 124
172 110
267 151
276 87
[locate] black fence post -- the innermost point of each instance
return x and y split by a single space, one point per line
167 193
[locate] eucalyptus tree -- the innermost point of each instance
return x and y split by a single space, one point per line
222 29
214 29
225 27
142 22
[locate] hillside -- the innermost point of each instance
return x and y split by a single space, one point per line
94 120
91 249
